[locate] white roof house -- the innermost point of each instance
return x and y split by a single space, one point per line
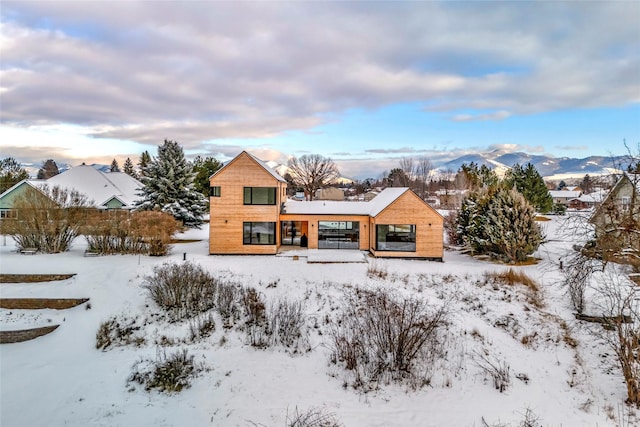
106 190
330 207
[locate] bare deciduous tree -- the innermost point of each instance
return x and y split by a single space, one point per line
312 172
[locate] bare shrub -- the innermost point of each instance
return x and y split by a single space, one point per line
48 219
576 275
118 332
381 337
313 417
620 302
201 326
155 229
227 299
182 290
283 323
167 373
287 322
497 370
123 232
254 307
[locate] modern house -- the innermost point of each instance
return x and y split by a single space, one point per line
106 190
250 214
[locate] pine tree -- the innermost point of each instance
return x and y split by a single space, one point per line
48 170
129 169
168 186
511 227
145 159
11 173
203 169
500 222
530 184
115 167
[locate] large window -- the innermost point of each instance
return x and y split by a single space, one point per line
259 233
259 195
396 237
338 234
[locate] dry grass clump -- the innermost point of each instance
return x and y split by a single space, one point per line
312 417
513 277
117 332
170 373
374 270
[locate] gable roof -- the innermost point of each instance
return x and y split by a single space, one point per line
630 179
97 185
260 163
6 196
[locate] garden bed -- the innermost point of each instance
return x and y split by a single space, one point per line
41 303
33 278
9 337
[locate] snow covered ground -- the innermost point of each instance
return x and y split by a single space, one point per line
62 379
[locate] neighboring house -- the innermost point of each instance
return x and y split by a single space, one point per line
329 193
623 200
564 197
251 215
617 222
588 201
19 190
105 190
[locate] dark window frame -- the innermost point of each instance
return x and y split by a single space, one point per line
412 232
251 224
214 191
248 196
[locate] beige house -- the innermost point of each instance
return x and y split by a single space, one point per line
250 214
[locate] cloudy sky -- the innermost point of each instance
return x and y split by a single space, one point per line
365 83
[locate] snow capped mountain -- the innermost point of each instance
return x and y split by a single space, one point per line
548 166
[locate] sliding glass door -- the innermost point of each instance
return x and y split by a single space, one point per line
338 234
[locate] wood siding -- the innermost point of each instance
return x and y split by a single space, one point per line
312 226
228 212
410 209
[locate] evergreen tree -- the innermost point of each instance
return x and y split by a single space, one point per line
398 178
511 227
169 187
129 169
530 184
500 222
145 159
473 177
203 169
48 170
115 167
586 185
11 173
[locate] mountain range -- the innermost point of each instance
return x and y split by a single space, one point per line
549 167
